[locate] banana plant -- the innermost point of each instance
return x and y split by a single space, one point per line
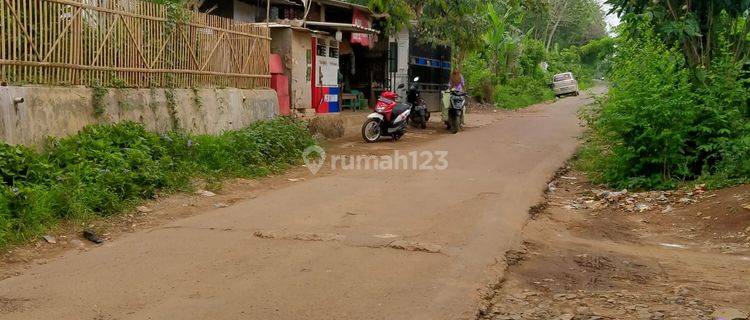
504 39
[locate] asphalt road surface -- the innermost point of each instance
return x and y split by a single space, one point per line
349 244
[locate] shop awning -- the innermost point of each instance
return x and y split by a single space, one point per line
342 27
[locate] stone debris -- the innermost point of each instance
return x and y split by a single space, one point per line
641 207
593 262
220 205
513 257
686 200
598 305
565 316
729 314
144 209
92 236
205 193
50 239
638 202
551 187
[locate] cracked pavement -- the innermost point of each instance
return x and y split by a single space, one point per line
379 263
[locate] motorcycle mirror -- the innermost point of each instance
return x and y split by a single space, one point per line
401 86
416 79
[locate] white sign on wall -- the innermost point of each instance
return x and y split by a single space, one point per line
328 63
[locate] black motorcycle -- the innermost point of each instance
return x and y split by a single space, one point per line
420 115
456 111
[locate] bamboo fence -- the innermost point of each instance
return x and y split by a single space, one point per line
128 43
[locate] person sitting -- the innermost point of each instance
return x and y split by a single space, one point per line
456 84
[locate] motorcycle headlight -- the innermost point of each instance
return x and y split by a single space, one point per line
380 109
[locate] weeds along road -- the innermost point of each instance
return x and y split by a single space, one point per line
352 244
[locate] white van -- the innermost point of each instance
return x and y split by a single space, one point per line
564 83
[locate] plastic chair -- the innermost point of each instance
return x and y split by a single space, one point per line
348 103
360 101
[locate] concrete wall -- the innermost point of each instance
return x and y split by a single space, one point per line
61 111
244 12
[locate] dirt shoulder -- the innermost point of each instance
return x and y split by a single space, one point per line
592 253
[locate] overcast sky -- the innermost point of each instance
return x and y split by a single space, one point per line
612 20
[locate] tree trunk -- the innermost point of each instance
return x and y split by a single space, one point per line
559 15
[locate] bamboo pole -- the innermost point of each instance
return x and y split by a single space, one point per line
3 42
71 42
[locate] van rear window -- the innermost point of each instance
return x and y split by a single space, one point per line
562 77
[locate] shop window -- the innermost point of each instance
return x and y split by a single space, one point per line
333 52
322 50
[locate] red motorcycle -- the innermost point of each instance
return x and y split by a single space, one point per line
389 119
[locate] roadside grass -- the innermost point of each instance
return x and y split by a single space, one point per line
522 92
108 168
508 100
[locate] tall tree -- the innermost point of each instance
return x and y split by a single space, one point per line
564 22
458 24
694 24
399 13
503 38
573 22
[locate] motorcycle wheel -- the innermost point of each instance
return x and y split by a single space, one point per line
454 124
396 136
423 119
371 130
414 122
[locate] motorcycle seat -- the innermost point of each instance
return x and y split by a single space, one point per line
399 109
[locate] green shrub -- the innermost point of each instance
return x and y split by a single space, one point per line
661 125
479 79
522 92
509 92
107 168
18 163
532 56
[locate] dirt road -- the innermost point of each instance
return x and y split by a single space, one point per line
591 253
347 244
